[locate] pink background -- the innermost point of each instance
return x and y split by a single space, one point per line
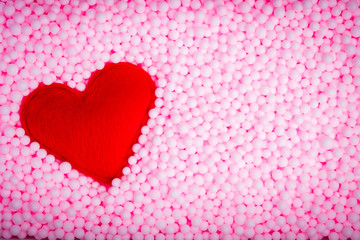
255 133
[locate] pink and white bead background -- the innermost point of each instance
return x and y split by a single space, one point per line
255 133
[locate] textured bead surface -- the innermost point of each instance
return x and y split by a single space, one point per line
255 133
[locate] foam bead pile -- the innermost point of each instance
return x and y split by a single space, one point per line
255 133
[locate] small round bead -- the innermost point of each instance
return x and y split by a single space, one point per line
12 69
254 132
65 167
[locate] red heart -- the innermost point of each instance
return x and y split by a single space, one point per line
95 129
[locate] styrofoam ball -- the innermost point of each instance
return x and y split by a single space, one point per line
254 131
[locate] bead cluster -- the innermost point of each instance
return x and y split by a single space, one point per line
255 133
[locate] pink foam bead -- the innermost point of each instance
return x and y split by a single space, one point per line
58 176
174 4
15 230
12 69
65 167
255 120
36 163
68 226
244 7
15 204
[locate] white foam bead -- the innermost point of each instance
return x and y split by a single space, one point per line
16 96
50 158
41 153
327 58
5 89
163 6
25 151
71 51
326 143
17 218
54 192
36 163
22 85
15 205
9 10
54 28
99 65
116 182
115 57
48 79
352 5
45 201
57 52
68 226
37 174
30 57
244 7
79 233
35 71
12 69
65 167
34 206
15 230
307 3
105 219
4 110
9 132
59 233
66 192
15 29
331 92
58 176
350 49
74 184
34 146
174 4
3 100
14 152
126 170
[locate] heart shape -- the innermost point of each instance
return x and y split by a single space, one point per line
94 130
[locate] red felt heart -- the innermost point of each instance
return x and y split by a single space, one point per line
95 129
